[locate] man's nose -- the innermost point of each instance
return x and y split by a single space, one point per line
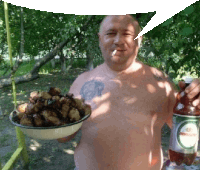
118 39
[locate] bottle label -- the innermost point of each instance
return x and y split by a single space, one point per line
184 134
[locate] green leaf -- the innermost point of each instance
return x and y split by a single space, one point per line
175 44
167 22
188 10
186 31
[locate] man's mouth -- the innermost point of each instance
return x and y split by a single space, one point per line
120 49
117 50
114 52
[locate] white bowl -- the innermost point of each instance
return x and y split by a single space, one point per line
49 133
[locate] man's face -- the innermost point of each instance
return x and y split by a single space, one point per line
118 33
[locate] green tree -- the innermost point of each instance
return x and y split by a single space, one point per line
172 46
174 43
34 72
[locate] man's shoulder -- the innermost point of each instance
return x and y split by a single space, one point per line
85 76
80 80
156 73
162 76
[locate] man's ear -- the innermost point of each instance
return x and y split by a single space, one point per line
99 36
99 39
140 41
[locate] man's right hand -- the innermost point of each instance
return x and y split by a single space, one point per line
68 138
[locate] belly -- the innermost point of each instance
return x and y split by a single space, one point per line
111 146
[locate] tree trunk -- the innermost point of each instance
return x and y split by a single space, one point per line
33 74
63 62
90 65
24 78
53 64
70 63
52 54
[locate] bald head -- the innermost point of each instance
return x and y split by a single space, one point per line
128 17
117 41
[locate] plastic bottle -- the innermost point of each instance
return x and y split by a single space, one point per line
185 130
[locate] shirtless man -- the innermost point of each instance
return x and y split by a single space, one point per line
130 104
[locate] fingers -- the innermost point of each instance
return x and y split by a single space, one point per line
196 103
193 89
181 84
194 92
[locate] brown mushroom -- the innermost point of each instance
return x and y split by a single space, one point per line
65 100
31 109
22 108
45 95
37 120
65 110
51 109
54 91
51 117
79 103
74 115
34 96
87 109
26 120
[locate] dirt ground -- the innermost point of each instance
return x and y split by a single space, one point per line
46 154
43 154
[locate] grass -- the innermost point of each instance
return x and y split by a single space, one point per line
47 73
49 77
7 156
48 150
26 66
3 139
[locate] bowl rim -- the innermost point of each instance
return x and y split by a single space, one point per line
50 127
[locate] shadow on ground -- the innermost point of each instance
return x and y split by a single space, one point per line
47 154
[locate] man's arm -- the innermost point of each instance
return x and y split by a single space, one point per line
171 103
172 92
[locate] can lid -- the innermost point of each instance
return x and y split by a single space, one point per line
188 79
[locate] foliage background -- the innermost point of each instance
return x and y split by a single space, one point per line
172 46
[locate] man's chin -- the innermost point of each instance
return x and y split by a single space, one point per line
118 59
116 64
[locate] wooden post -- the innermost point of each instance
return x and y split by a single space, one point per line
10 52
22 144
21 150
13 159
0 165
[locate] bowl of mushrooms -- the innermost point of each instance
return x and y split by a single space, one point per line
50 115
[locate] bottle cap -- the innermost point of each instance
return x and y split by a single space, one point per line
188 80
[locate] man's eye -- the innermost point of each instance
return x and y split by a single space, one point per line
110 33
127 34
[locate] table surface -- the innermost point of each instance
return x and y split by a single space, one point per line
194 166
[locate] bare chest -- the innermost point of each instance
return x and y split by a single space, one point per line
130 103
127 116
